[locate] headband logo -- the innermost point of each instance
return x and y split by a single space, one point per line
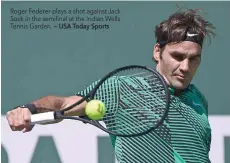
191 34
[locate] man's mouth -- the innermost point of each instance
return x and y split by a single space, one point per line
180 77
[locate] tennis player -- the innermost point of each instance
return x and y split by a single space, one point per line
185 135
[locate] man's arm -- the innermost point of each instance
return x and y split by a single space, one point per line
19 118
53 103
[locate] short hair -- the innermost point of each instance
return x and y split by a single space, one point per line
176 27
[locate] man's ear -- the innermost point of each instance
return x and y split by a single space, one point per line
156 52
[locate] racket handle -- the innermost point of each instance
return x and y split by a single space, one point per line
42 118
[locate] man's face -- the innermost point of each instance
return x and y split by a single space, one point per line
178 63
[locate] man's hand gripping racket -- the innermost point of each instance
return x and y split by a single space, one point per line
132 101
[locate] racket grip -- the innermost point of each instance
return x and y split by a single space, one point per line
42 118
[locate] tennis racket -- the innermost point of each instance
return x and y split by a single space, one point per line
136 99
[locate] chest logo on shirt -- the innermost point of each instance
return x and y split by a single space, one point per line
197 104
198 107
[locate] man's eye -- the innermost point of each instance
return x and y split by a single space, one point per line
178 57
195 58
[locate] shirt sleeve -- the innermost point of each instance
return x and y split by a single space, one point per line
204 102
87 90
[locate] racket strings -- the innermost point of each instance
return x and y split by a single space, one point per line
134 101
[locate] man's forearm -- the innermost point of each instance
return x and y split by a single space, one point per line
49 103
53 103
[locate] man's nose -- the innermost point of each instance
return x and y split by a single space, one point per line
184 65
